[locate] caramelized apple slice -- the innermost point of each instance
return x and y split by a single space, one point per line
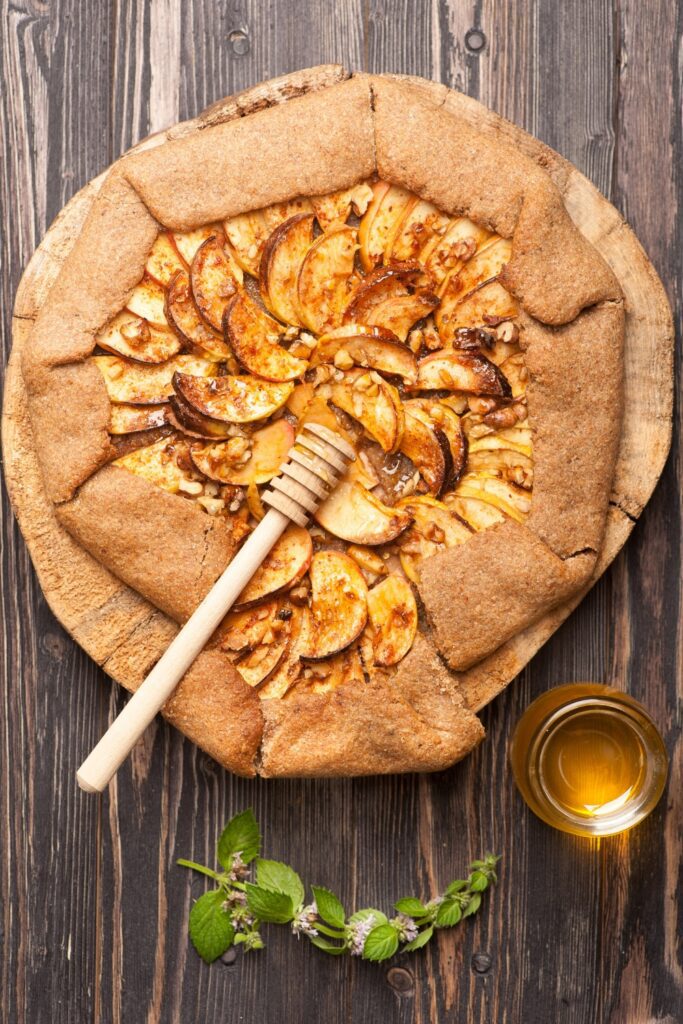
281 261
130 419
284 566
158 464
446 254
339 670
490 300
232 399
187 242
130 336
215 277
419 224
435 527
325 278
164 260
247 233
336 206
339 605
147 301
356 515
244 630
478 514
402 313
517 439
136 384
483 268
461 371
510 499
375 403
183 316
253 337
449 422
426 447
377 287
269 449
373 347
185 418
256 640
393 617
278 213
383 214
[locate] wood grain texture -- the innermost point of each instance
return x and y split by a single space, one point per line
94 912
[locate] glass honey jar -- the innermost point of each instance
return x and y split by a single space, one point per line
588 759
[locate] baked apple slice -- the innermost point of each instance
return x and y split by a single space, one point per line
478 514
243 630
278 213
392 611
253 337
402 313
256 639
354 514
269 446
325 278
426 447
131 419
130 336
372 347
449 422
461 371
185 418
147 301
514 501
283 568
375 403
516 372
517 439
215 277
164 260
336 206
420 223
435 527
490 300
339 670
339 605
232 399
281 261
380 285
136 384
183 316
483 268
443 255
500 460
187 242
388 205
158 464
247 234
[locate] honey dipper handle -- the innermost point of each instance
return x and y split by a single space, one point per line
124 732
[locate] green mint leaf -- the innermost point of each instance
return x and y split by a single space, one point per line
454 887
419 941
473 906
410 906
328 947
329 907
241 835
366 912
381 943
277 877
448 914
210 929
275 907
478 881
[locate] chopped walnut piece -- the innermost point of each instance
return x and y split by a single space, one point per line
191 487
481 405
501 419
214 506
415 340
299 595
343 360
507 332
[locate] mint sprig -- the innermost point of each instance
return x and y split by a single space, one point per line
233 912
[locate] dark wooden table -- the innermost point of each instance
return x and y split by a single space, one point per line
94 911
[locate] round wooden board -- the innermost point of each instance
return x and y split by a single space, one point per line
120 629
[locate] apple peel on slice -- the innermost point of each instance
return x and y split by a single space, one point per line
426 447
269 450
400 314
185 418
380 285
392 611
339 605
461 371
183 316
284 566
232 399
130 336
215 277
379 222
187 242
281 261
372 347
376 405
253 337
354 514
325 278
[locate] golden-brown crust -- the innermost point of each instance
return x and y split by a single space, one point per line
307 146
417 721
481 593
163 546
216 709
575 401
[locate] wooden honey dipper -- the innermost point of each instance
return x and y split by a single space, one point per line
316 461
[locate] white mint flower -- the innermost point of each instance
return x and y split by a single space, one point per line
406 927
358 933
304 919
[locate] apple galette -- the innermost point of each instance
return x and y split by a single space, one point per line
390 274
